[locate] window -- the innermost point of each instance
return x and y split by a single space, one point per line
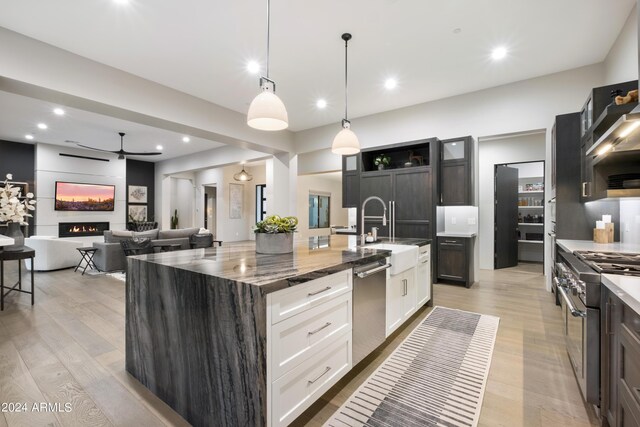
319 210
261 202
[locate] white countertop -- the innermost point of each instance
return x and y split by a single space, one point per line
5 241
627 288
456 234
588 245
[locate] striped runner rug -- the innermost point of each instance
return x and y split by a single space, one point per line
436 377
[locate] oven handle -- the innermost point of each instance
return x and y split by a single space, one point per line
574 311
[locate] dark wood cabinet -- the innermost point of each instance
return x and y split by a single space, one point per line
620 362
455 259
350 181
456 172
410 190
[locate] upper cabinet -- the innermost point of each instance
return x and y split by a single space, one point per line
456 172
605 172
350 181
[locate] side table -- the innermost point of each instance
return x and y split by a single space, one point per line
87 258
26 253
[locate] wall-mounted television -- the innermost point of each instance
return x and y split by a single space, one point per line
74 196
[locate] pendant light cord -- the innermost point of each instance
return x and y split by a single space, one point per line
346 64
268 32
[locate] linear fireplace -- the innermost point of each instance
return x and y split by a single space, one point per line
81 229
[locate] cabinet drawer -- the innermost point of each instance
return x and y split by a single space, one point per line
295 339
628 410
289 302
631 320
629 369
448 241
298 389
424 250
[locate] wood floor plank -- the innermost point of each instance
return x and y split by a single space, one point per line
17 386
70 346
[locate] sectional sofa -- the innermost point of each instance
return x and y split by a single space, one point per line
110 256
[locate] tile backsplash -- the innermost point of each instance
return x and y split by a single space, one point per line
461 219
630 221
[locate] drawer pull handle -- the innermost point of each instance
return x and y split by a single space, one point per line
326 325
451 241
320 376
425 261
319 292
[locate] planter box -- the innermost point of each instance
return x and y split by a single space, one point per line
278 243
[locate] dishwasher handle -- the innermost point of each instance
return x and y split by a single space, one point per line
363 274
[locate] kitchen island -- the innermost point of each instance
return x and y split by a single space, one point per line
198 322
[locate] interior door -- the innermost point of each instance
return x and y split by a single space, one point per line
506 217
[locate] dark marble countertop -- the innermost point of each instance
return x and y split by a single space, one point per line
312 259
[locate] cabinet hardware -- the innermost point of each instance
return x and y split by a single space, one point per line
328 368
584 189
425 261
319 292
404 284
326 325
451 241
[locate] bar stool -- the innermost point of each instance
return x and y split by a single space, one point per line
26 253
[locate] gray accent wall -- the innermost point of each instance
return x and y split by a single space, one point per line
19 159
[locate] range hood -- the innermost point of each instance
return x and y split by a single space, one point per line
623 135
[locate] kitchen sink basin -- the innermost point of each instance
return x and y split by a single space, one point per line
403 257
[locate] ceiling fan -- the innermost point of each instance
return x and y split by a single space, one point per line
121 153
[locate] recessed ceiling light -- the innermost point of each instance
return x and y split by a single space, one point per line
321 104
28 136
158 147
499 53
42 126
457 30
58 111
186 139
253 67
390 83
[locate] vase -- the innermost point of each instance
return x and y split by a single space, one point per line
15 232
380 167
274 243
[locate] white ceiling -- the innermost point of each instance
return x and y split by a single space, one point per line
201 47
20 115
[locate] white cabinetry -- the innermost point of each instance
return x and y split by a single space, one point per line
423 276
401 298
308 343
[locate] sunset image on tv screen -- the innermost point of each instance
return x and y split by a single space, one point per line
84 197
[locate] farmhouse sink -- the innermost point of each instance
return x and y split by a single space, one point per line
403 257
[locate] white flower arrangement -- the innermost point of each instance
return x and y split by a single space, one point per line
12 209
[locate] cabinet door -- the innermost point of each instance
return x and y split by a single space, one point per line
375 184
423 282
409 298
586 171
452 260
455 183
350 181
413 202
395 296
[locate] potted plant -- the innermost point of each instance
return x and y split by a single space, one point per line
274 235
174 220
382 160
14 210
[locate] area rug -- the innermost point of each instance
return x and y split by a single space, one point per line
436 377
118 275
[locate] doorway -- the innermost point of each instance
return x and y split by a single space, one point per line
519 213
210 192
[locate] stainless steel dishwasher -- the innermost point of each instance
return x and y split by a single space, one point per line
369 308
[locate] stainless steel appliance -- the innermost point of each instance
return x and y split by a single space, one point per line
578 286
369 308
612 262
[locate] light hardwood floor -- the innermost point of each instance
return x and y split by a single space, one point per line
70 348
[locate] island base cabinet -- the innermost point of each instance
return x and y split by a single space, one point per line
401 299
299 388
423 276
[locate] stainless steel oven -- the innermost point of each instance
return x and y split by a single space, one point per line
578 288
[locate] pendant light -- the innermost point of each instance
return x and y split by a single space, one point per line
243 175
267 111
346 142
